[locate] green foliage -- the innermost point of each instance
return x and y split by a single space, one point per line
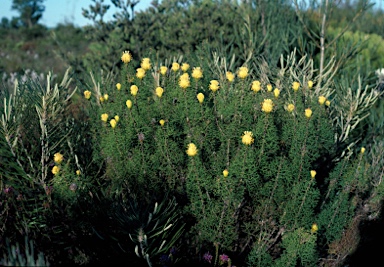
30 11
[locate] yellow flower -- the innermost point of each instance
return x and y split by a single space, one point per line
175 66
197 73
200 97
78 172
134 90
256 86
313 174
113 123
247 138
184 81
308 113
101 99
230 76
214 85
295 86
184 76
87 94
129 104
267 106
104 117
276 92
140 73
159 91
191 150
242 73
310 84
225 173
126 57
327 103
269 87
58 158
163 70
118 86
362 150
117 118
162 122
314 228
146 64
322 100
184 67
55 170
106 96
290 107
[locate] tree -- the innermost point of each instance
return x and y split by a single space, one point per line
30 11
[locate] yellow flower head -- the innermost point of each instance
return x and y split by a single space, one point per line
269 87
230 76
87 94
197 73
191 150
140 73
101 98
290 107
267 106
159 91
308 113
313 174
126 57
146 63
322 100
175 66
256 86
78 172
314 228
129 104
225 173
117 118
55 170
310 84
134 90
214 85
242 72
327 103
276 92
184 67
295 86
162 122
362 150
200 97
58 158
118 86
104 117
113 123
247 138
106 96
184 81
163 70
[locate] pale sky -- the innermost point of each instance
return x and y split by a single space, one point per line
60 11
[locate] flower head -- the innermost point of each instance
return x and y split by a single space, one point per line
313 174
191 150
256 86
276 92
163 70
78 172
104 117
159 91
230 76
101 98
308 113
362 150
242 72
269 87
200 97
146 63
117 118
184 81
214 85
322 100
247 138
162 122
134 90
310 84
225 173
129 104
197 73
140 73
118 86
175 66
208 257
87 94
184 67
224 258
327 103
314 228
290 107
126 57
58 158
267 106
55 170
113 123
295 86
73 187
106 96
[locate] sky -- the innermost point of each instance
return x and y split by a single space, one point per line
61 11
